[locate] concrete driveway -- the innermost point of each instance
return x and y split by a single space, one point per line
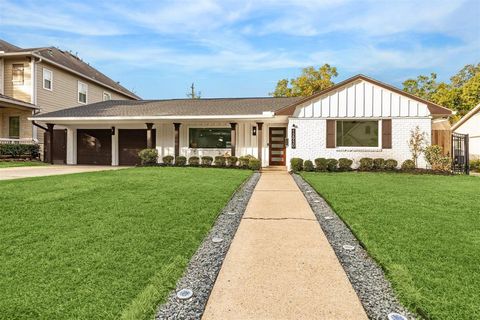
27 172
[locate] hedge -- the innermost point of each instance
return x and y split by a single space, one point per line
20 150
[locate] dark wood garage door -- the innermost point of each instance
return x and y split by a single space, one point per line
94 146
130 142
59 146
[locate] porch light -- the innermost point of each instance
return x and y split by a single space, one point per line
396 316
184 294
254 131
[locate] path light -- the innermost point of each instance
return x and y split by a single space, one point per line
309 191
231 213
350 248
216 239
328 218
396 316
317 201
184 294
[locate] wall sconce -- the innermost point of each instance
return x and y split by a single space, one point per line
254 131
294 126
113 131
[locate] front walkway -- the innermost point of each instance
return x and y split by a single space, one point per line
280 264
27 172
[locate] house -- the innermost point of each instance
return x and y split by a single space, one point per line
43 80
470 124
359 117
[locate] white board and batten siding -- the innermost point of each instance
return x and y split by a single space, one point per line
360 100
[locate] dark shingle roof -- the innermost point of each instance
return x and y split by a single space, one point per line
68 60
176 107
17 102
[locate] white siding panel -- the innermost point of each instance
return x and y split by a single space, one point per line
317 111
334 105
377 101
342 103
325 104
386 103
368 100
351 101
359 100
404 106
309 110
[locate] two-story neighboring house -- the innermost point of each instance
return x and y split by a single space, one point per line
40 80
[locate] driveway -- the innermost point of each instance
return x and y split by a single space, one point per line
27 172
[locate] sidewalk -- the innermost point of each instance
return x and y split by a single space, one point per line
280 264
51 170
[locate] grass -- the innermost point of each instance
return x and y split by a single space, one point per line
13 164
424 230
103 245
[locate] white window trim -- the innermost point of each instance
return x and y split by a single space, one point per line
43 79
345 148
78 92
107 93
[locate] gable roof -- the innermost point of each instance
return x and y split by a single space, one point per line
435 109
470 114
70 62
174 108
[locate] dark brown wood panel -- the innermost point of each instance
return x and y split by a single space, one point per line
94 146
59 146
331 133
130 142
387 134
277 147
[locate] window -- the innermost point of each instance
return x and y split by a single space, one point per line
14 127
107 96
18 74
209 137
47 79
357 133
82 92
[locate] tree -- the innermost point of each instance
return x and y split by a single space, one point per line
192 94
310 81
416 143
423 87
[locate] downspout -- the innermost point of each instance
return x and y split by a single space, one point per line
38 125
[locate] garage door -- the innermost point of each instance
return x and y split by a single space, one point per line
94 146
130 142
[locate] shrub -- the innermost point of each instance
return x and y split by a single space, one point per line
332 164
321 164
180 161
391 164
296 164
19 150
408 165
231 161
475 165
366 164
207 161
194 161
148 156
308 166
254 164
379 163
345 164
168 160
243 161
220 161
436 159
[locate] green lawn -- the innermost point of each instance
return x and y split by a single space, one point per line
12 164
423 229
103 245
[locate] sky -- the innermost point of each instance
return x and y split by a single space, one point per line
242 48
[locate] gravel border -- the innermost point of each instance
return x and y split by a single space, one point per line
367 277
205 264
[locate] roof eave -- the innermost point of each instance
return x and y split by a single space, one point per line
470 114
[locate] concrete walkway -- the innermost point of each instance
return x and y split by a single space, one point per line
280 264
27 172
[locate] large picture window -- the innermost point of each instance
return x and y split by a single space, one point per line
357 133
209 137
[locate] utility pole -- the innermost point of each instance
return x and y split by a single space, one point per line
193 94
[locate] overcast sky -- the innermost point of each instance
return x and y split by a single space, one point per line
241 48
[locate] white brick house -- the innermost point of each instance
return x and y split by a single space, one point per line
359 117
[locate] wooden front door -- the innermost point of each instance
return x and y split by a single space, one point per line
59 146
277 146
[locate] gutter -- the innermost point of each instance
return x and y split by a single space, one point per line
37 125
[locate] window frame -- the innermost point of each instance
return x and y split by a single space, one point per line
379 133
78 92
45 70
10 127
108 94
209 127
16 82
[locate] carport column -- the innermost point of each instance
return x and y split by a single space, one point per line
260 140
71 146
114 146
177 138
149 135
233 142
50 142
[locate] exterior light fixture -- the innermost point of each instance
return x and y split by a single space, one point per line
396 316
113 131
254 131
184 294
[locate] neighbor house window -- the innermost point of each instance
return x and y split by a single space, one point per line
18 73
47 79
14 127
357 133
107 96
82 92
209 137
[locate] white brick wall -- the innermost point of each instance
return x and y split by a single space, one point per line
311 141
